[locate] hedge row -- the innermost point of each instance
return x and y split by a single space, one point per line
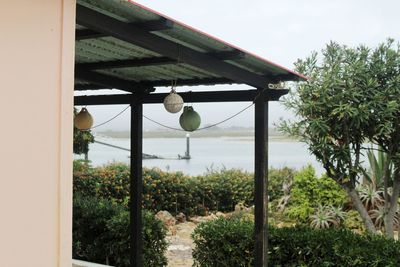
101 233
175 192
229 242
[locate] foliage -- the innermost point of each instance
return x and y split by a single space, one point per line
370 196
279 180
353 221
332 117
173 191
82 139
385 68
224 242
377 163
309 192
378 216
154 234
351 97
101 233
326 217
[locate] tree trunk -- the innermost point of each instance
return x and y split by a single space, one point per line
391 212
369 225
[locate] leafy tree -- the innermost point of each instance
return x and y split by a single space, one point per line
82 139
350 98
385 131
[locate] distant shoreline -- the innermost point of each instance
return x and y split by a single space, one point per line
246 135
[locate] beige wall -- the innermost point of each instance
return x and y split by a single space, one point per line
36 99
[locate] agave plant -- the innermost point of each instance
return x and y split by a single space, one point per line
378 216
370 196
377 165
323 218
338 213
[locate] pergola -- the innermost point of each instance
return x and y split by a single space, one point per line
123 45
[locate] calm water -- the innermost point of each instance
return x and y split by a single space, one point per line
229 152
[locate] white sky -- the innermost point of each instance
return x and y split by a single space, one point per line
281 31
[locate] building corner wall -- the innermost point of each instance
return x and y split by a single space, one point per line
36 107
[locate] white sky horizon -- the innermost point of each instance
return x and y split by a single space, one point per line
280 31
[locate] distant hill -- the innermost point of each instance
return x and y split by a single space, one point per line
212 132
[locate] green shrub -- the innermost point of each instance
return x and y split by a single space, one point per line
353 221
101 233
224 242
309 191
173 191
154 234
276 179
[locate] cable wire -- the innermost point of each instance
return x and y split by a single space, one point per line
177 129
116 116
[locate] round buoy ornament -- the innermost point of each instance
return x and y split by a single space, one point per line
173 102
83 120
189 120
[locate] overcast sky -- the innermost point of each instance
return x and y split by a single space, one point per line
281 31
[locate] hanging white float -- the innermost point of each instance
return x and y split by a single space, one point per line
83 120
173 102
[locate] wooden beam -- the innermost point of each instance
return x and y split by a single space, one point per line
138 36
188 97
127 63
191 82
162 83
150 26
110 82
228 55
89 86
261 183
136 184
153 61
275 78
85 34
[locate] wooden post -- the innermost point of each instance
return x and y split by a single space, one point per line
261 181
136 184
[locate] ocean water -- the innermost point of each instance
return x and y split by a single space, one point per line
206 153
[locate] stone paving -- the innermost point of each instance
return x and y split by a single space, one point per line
180 247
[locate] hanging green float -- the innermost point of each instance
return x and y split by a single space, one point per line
189 120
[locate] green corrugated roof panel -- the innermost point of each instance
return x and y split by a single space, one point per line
156 73
110 49
120 9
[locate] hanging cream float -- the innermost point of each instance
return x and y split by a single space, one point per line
189 120
83 120
173 102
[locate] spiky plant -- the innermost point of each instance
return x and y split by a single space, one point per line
370 196
378 216
377 162
338 213
323 218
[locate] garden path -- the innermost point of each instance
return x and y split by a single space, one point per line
180 247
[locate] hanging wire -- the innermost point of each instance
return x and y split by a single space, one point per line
116 116
178 129
212 125
163 125
227 119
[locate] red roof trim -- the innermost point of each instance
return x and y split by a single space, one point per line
216 39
